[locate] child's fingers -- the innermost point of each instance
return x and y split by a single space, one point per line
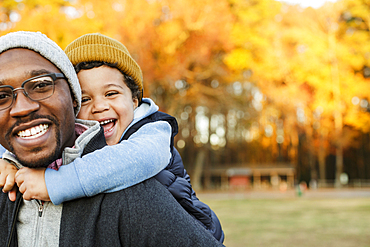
22 188
26 196
20 180
19 177
9 183
2 180
7 172
12 194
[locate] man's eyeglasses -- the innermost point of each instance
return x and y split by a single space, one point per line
36 88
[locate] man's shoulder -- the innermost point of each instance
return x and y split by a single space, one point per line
143 215
139 200
147 188
142 191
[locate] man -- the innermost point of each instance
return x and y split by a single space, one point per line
39 98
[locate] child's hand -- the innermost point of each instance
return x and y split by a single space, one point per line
31 183
7 180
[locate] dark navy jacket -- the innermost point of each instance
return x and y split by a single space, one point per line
175 178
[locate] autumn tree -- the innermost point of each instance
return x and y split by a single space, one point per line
248 81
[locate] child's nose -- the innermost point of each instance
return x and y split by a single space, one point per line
100 105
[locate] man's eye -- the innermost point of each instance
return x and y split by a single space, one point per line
42 84
5 95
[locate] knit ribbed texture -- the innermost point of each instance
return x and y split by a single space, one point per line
47 48
98 47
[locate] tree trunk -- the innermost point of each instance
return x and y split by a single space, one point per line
338 117
322 157
339 164
311 156
198 169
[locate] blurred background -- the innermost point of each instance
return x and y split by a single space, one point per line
268 95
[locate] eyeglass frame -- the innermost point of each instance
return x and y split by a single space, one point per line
54 77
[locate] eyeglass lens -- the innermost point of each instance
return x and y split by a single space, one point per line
36 89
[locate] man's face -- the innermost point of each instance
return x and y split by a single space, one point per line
36 132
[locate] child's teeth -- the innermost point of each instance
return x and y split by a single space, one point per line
106 121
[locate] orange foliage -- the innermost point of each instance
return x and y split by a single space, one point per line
307 64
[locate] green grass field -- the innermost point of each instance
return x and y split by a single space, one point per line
303 222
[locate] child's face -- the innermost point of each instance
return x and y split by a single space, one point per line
106 99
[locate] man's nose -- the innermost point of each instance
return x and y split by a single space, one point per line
22 105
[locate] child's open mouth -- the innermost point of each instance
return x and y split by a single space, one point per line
108 124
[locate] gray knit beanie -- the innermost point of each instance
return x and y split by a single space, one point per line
47 48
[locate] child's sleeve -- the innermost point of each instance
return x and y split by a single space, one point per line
2 151
113 168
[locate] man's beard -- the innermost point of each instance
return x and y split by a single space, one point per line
42 162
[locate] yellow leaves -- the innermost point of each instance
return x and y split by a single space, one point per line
359 120
239 59
172 36
9 4
286 50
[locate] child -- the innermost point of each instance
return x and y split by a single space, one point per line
111 83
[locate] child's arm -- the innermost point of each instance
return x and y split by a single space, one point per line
7 178
113 168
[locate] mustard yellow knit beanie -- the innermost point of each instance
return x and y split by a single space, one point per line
98 47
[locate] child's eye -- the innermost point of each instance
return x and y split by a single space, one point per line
84 100
111 94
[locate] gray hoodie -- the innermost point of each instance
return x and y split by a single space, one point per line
39 222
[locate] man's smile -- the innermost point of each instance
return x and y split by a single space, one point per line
33 132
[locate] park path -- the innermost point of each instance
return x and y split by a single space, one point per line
276 194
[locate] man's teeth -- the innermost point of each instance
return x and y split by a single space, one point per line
106 121
34 132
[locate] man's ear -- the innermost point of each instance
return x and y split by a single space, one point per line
74 103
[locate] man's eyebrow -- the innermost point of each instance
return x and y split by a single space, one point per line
31 74
39 72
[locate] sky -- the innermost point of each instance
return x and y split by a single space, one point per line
308 3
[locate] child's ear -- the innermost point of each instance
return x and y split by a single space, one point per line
135 102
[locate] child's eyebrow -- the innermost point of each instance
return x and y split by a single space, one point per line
113 85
